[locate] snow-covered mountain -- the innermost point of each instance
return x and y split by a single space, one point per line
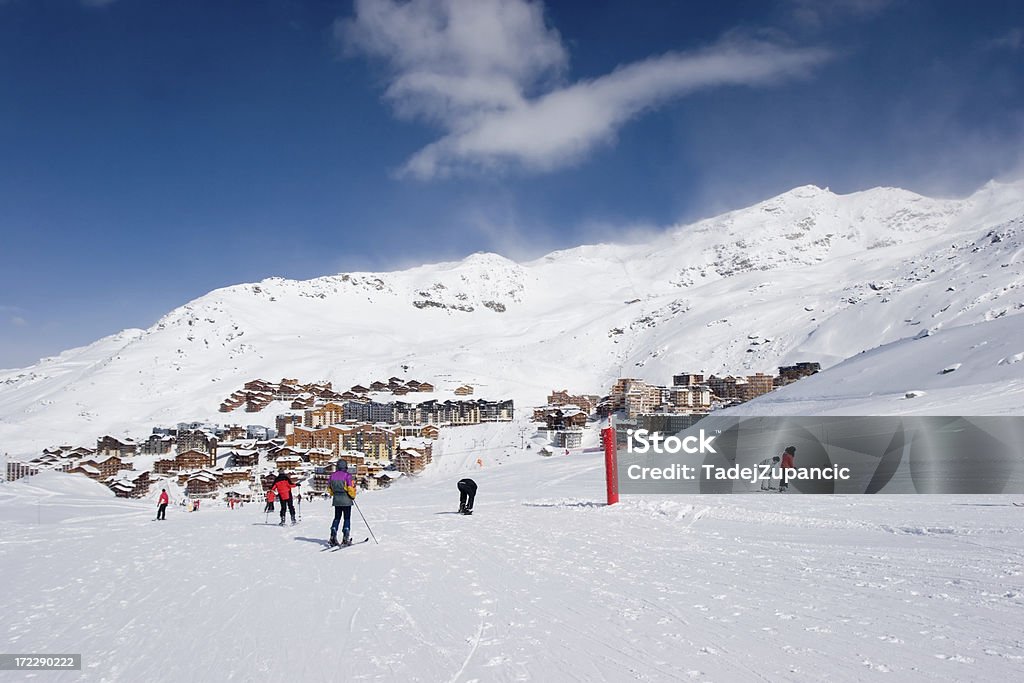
808 275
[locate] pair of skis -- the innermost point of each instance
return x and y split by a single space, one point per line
335 548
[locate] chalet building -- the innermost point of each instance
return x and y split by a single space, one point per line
87 468
283 421
302 402
791 373
127 486
201 483
242 458
100 468
288 463
423 388
200 440
359 389
496 411
569 438
111 445
568 418
410 462
400 390
369 411
758 384
464 390
232 476
191 460
413 385
687 379
689 397
17 470
379 386
234 433
331 413
394 382
157 444
418 431
258 432
584 402
320 457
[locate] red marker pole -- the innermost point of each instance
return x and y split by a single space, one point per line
611 470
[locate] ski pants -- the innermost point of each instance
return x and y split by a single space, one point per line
784 481
287 506
467 493
270 507
339 512
161 512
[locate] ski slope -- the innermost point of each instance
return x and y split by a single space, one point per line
542 583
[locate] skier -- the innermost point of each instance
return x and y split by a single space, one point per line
161 511
283 487
467 493
344 490
787 465
270 501
765 466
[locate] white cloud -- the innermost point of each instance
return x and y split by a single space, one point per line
18 321
489 72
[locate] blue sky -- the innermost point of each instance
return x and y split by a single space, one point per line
151 151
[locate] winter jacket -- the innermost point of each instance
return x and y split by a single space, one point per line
787 461
270 496
164 499
283 488
337 483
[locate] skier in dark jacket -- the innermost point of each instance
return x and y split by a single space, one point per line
467 493
283 488
343 487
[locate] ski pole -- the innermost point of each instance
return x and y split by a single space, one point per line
365 522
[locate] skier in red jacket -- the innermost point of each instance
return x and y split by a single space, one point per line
283 488
161 511
787 465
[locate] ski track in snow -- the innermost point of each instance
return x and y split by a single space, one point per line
543 583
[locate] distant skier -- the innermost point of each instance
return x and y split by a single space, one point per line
765 467
283 488
343 487
787 465
161 511
270 501
467 494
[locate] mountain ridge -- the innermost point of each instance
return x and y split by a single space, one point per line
806 275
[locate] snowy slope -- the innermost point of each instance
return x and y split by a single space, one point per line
808 275
969 370
542 583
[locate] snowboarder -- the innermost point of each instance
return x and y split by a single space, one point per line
787 465
283 488
343 487
765 467
467 493
161 510
270 501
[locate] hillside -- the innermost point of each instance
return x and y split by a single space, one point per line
807 275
